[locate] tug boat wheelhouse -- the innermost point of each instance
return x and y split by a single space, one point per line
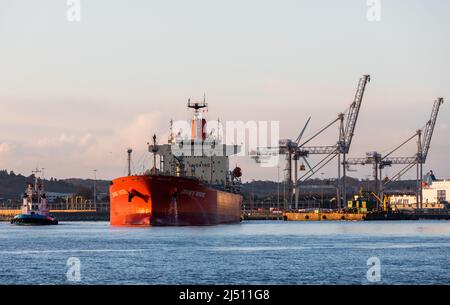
34 206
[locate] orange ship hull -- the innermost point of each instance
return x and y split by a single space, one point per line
170 201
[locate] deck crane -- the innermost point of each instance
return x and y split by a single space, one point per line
296 149
423 146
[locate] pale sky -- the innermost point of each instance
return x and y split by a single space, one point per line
75 95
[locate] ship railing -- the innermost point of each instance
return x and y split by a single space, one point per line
10 205
63 206
263 211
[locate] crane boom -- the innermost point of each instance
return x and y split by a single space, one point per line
354 112
296 149
317 150
429 128
420 157
397 160
375 158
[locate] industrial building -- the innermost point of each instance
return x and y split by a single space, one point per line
435 196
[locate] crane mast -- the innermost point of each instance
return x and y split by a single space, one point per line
423 146
346 132
353 113
429 128
349 131
296 149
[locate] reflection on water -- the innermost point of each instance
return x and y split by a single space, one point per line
263 252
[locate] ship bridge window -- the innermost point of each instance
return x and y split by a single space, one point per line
441 195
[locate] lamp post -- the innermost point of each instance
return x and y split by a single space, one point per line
278 187
95 189
321 191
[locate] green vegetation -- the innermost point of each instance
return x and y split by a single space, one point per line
12 185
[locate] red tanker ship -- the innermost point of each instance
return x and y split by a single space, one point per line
192 186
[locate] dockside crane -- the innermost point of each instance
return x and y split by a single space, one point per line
423 146
294 150
347 125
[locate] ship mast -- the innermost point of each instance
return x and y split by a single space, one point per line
154 151
198 122
35 172
171 136
43 178
36 183
129 151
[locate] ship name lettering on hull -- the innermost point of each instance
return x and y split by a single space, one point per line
193 193
118 193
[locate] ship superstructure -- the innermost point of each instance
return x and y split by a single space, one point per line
190 182
202 156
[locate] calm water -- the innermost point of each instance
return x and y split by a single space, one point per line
266 252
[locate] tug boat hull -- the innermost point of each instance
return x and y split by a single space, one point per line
33 220
147 200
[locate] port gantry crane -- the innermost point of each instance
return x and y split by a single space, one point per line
423 146
295 149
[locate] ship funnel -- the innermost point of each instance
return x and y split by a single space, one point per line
198 123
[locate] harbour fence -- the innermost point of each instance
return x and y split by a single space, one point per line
63 206
76 211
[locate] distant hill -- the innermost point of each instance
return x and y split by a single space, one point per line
13 185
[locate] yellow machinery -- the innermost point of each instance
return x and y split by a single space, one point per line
359 203
74 202
384 203
364 202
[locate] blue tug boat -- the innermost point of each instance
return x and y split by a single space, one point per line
34 207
